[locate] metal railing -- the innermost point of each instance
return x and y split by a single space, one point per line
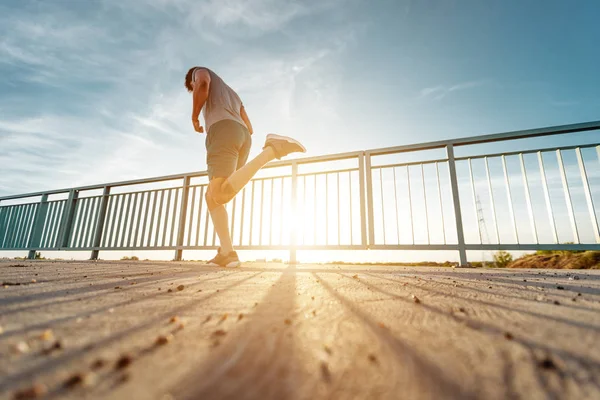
349 201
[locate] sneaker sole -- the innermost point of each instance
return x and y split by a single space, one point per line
287 139
233 264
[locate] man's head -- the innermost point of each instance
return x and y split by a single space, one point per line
188 79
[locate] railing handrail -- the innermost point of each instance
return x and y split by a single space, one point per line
496 137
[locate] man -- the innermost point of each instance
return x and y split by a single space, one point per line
228 144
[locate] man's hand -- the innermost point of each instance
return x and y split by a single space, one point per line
197 127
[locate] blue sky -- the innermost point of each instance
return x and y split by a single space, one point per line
93 91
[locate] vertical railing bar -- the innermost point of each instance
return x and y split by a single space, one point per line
271 215
474 197
243 205
152 214
294 213
149 200
166 221
84 209
251 214
44 228
100 226
138 221
39 219
563 176
181 224
201 203
304 213
362 206
45 225
15 231
412 224
382 202
396 205
547 196
52 226
14 226
326 209
439 187
260 220
66 223
3 212
456 200
10 225
22 226
425 204
206 223
351 215
159 216
126 199
183 212
191 216
126 219
29 226
338 207
37 208
107 226
588 194
131 213
509 196
528 199
32 223
84 221
315 210
167 213
370 205
91 222
113 221
492 203
6 225
79 204
55 225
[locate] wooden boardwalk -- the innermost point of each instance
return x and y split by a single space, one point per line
168 330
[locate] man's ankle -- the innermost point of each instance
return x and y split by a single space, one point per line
225 252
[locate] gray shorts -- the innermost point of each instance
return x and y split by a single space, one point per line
227 147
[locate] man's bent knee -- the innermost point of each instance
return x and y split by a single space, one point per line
220 191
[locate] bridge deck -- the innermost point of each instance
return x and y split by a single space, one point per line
309 332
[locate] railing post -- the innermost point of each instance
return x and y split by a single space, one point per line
456 200
293 233
370 198
100 225
67 219
363 210
182 217
38 226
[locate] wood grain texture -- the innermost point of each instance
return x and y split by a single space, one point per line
273 331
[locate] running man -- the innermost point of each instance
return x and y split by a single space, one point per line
228 142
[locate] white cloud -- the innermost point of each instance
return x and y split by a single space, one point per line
441 91
114 78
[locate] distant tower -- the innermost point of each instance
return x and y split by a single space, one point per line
485 237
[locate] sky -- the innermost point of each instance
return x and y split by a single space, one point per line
93 91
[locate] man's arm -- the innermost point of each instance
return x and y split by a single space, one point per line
201 84
246 119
